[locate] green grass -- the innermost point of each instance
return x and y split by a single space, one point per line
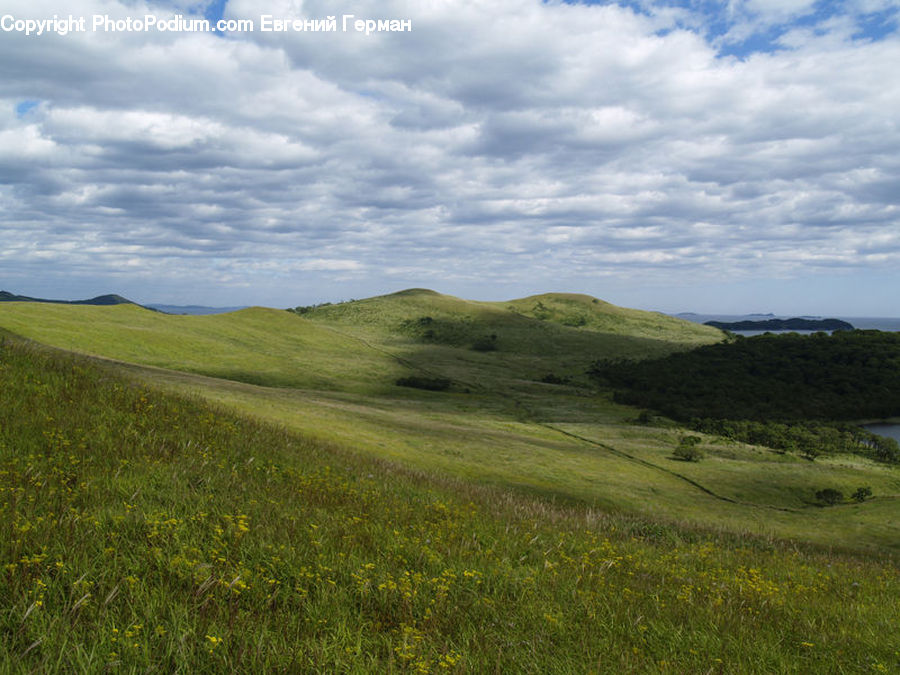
526 347
330 375
150 532
257 345
583 311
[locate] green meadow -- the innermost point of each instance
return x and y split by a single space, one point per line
254 492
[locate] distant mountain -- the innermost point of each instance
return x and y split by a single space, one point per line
114 299
796 323
108 299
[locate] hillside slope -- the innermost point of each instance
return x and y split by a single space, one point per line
583 311
257 345
528 325
489 343
331 374
146 532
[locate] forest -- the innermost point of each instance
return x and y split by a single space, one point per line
789 392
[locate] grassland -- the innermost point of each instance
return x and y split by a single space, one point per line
256 345
533 337
329 374
151 532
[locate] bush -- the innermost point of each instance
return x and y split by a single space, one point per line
574 321
862 494
488 343
830 496
551 378
645 417
428 383
884 449
306 309
810 452
687 449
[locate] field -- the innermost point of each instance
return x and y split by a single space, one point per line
253 491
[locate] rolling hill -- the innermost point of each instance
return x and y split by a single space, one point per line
108 299
502 343
521 411
258 345
254 492
146 531
529 325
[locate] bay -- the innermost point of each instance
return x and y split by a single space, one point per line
891 324
885 429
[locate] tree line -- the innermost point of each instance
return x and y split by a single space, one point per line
786 391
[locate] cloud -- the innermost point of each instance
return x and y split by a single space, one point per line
516 143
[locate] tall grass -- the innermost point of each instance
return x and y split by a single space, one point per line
146 532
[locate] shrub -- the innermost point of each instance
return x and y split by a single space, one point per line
830 496
428 383
810 452
488 343
551 378
884 449
687 449
575 321
862 494
305 309
645 417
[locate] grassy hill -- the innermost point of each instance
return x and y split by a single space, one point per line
583 311
488 343
108 299
554 322
262 346
330 374
148 532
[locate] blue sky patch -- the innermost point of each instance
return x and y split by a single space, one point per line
878 25
24 107
214 11
714 20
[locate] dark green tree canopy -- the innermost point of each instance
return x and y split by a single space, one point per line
846 376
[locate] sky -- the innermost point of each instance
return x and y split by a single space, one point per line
676 155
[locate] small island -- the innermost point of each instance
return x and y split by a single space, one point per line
784 324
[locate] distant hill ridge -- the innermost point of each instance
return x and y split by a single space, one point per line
108 299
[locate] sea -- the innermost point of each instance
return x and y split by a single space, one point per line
885 429
861 322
